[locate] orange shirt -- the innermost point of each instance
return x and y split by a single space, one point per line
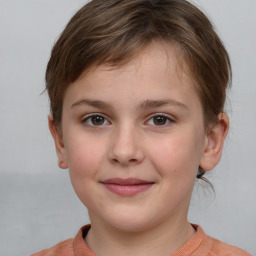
199 245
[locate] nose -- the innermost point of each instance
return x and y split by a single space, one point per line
126 147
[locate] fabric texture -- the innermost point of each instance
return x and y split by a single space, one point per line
199 245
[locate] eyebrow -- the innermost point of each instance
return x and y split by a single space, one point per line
147 104
94 103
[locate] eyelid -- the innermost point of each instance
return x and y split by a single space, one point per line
169 116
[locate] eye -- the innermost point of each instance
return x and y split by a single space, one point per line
159 120
95 120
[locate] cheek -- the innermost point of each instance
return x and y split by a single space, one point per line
84 157
177 156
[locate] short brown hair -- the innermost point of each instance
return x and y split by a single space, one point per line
113 31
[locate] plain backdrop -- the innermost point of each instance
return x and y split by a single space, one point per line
38 207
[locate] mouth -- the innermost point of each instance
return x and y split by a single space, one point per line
127 187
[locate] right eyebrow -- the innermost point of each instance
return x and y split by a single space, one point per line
94 103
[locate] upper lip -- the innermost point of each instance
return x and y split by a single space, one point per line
126 181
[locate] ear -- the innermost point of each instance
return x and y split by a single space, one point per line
59 145
214 142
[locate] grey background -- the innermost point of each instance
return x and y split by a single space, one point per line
38 207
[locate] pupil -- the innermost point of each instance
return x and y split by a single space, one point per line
159 120
97 120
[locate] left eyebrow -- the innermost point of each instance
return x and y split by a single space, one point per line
148 104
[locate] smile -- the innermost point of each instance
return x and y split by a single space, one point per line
127 187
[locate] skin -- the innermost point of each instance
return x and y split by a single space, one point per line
128 141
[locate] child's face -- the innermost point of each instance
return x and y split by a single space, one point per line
139 123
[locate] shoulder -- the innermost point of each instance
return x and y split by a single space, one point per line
64 248
70 246
215 247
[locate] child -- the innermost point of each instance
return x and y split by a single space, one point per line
137 89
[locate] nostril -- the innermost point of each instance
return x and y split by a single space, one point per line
129 161
115 160
124 162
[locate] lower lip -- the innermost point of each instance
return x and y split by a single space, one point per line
128 190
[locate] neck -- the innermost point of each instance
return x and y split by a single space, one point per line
161 239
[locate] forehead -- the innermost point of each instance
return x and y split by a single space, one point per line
156 69
169 58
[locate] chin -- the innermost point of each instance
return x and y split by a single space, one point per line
130 226
128 221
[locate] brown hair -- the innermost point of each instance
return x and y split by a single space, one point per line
113 31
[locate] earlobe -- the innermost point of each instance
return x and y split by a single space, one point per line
59 145
214 143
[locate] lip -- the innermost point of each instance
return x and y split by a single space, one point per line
127 187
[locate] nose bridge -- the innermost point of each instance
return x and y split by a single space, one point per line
126 146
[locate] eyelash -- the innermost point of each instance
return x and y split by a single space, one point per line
88 120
